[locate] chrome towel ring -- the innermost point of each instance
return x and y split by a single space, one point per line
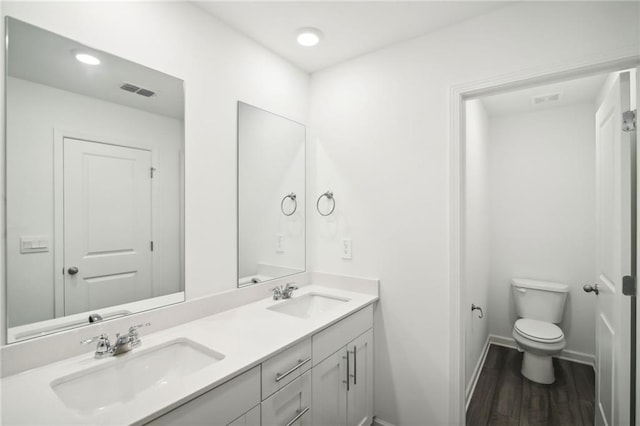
329 196
295 204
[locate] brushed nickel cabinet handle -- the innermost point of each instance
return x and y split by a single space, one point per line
348 375
300 413
301 362
355 365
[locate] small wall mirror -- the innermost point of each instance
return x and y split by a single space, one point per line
271 196
94 172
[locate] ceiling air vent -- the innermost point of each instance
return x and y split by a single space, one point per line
129 87
137 90
146 92
543 99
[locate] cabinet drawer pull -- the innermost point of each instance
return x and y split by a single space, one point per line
348 375
355 366
300 414
301 362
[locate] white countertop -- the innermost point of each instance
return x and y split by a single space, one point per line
246 335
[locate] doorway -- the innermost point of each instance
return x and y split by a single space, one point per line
522 198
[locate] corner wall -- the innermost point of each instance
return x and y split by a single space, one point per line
477 235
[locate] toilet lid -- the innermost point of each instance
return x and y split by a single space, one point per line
539 331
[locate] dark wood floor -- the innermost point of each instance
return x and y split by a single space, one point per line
504 397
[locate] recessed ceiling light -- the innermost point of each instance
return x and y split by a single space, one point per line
85 58
309 37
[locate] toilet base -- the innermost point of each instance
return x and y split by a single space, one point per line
538 368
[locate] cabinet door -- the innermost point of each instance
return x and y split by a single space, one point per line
219 406
251 418
360 395
330 390
291 405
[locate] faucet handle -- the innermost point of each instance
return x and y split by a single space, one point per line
104 346
134 336
102 337
134 328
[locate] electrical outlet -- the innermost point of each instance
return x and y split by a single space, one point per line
346 248
279 243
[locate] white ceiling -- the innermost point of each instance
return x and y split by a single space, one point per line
583 90
350 28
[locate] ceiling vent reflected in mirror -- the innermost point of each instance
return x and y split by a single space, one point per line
543 99
137 90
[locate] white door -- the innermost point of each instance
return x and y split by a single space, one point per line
107 225
360 395
613 180
329 391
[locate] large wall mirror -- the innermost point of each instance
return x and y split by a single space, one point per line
271 196
94 172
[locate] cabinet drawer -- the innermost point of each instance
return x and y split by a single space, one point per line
252 418
283 368
335 337
291 405
219 406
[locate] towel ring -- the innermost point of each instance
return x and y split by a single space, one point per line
329 196
295 204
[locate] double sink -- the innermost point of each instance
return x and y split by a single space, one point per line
124 379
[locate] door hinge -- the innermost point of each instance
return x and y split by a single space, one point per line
151 244
153 170
629 285
629 121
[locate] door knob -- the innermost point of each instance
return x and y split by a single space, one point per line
591 288
73 270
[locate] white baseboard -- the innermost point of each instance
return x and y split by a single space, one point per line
471 386
569 355
379 422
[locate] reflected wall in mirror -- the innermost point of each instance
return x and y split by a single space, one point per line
271 196
95 172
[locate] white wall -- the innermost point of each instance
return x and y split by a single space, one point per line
36 111
543 215
477 234
271 165
380 127
219 67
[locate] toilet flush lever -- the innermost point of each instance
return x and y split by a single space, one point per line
591 288
477 308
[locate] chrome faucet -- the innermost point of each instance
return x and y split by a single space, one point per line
283 291
124 343
288 290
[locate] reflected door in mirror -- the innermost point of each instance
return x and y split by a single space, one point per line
107 225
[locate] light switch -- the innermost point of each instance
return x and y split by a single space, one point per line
35 244
346 248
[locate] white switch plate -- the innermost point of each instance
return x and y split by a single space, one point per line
279 243
346 248
35 244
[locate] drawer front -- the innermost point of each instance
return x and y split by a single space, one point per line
291 405
285 367
335 337
219 406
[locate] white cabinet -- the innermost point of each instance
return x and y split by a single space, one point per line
220 406
252 418
291 405
343 382
283 368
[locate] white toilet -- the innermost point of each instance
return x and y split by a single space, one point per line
540 305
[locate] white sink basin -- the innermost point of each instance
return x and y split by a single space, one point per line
132 374
308 305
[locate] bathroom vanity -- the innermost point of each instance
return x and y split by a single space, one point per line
304 360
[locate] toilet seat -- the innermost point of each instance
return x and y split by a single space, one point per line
538 331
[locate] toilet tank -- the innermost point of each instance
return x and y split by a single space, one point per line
539 300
